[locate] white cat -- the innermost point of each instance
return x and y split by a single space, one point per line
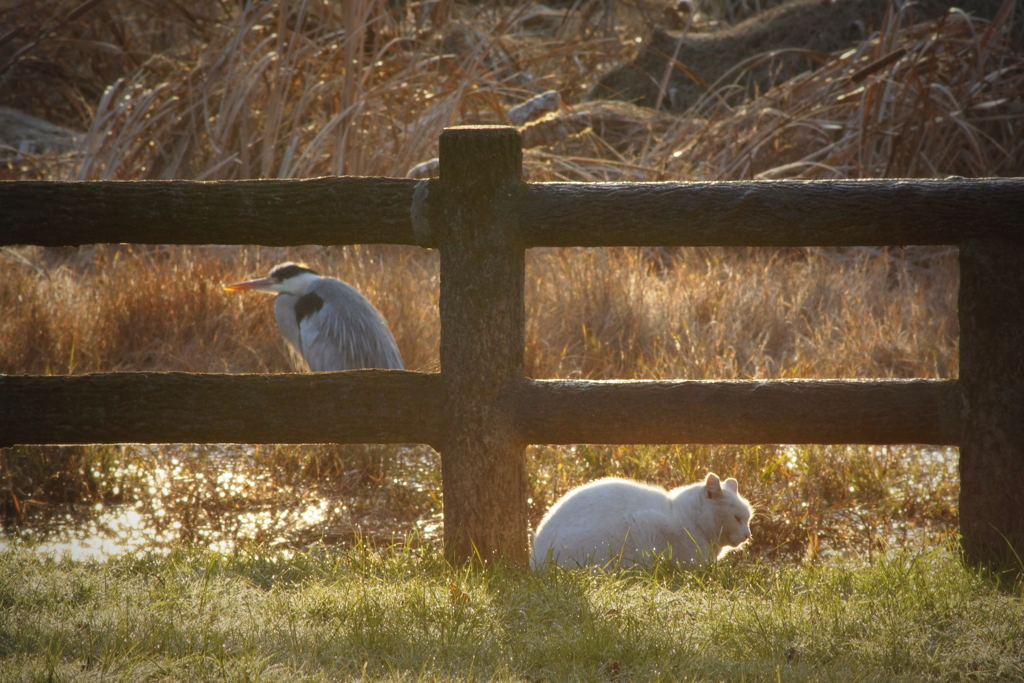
621 522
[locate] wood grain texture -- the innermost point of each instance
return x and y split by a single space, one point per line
377 406
360 406
741 412
772 213
991 309
268 212
376 210
483 320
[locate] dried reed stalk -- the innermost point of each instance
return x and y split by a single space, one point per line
292 89
932 99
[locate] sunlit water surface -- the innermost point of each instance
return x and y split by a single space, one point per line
217 498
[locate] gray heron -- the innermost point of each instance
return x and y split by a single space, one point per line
327 321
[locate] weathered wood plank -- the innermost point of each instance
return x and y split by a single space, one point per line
772 213
361 406
268 212
377 406
483 321
376 210
740 412
991 310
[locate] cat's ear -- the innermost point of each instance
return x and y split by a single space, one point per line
712 486
732 485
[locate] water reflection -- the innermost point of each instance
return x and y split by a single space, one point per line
863 501
157 497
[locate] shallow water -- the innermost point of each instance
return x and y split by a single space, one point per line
222 497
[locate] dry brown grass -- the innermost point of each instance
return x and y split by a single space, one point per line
742 313
932 99
58 56
269 95
109 309
266 94
938 98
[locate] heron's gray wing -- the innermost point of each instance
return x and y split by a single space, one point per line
339 329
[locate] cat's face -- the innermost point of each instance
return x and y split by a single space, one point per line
732 512
734 519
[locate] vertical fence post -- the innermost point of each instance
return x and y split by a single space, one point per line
482 340
992 377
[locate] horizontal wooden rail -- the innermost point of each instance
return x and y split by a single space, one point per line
361 406
741 412
377 210
772 213
377 406
268 212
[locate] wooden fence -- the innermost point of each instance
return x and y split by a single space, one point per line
480 412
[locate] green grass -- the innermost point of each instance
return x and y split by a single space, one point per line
404 614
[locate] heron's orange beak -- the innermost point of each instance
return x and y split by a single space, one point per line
251 284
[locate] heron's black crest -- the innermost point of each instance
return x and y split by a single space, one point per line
307 305
287 270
